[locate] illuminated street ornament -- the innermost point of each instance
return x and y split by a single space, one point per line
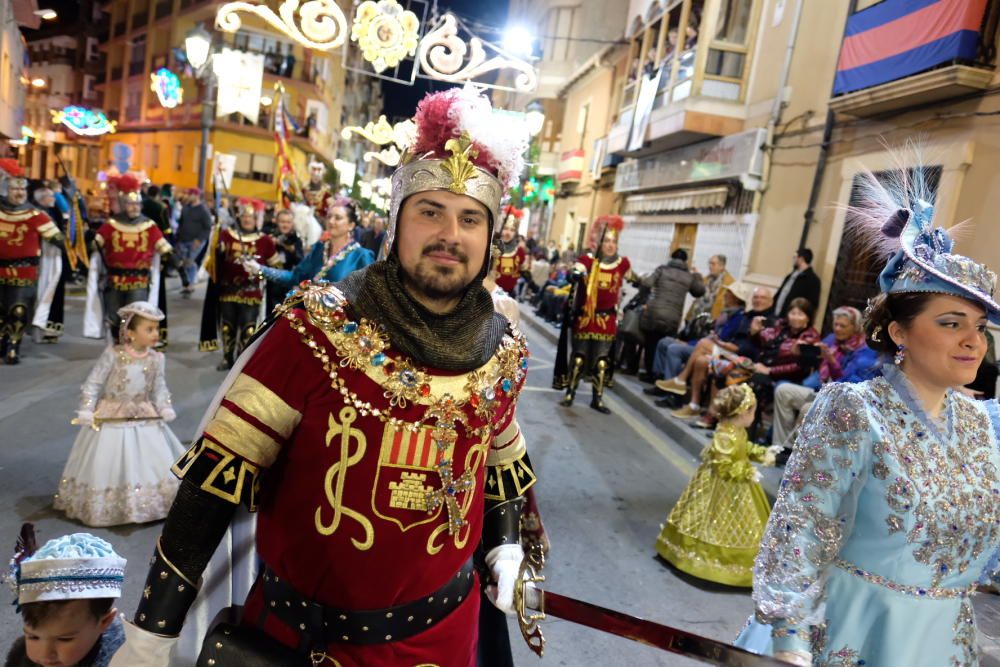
85 122
323 24
386 33
445 56
167 87
380 132
27 134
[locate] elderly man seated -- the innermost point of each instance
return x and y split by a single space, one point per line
676 358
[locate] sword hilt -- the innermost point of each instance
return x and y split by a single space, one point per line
528 618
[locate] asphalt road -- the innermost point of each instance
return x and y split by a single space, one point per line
606 484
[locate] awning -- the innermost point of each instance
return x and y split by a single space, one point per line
680 200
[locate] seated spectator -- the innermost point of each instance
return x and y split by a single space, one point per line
779 358
540 270
845 357
685 362
554 294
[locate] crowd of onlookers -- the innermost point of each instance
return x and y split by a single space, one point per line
731 333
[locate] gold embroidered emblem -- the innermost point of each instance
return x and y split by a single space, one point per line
459 166
409 493
336 477
406 462
13 234
120 241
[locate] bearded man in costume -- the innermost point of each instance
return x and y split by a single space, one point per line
599 279
317 192
512 255
383 409
129 251
235 295
22 230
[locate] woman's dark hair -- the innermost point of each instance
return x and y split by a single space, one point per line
351 209
36 613
680 254
805 306
884 309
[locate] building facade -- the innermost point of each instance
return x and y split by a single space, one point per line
165 143
13 76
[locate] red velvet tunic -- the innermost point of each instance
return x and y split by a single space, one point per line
21 235
599 317
343 514
131 248
510 269
235 284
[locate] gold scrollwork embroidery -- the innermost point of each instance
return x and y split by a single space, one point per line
336 475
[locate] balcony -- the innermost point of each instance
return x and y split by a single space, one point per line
939 84
119 29
140 20
116 73
136 68
685 88
872 78
163 9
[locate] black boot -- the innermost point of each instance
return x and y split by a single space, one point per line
576 371
599 383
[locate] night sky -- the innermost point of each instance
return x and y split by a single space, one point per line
400 100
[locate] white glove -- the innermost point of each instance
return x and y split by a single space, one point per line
84 418
252 266
504 562
168 414
791 657
772 452
142 648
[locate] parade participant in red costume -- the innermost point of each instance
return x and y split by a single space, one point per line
317 193
22 230
383 409
600 279
512 255
236 299
129 248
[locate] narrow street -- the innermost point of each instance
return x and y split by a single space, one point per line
606 483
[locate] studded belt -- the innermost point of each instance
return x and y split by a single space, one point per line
928 592
322 624
130 273
19 262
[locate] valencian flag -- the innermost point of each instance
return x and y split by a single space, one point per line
896 38
289 189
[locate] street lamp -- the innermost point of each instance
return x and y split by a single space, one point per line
38 83
519 41
198 51
534 117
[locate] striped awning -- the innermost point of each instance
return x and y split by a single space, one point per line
680 200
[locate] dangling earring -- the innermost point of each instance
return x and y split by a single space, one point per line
900 355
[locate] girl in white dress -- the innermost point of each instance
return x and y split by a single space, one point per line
118 471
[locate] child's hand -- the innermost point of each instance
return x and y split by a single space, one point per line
756 474
168 414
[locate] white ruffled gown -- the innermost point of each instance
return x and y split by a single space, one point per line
118 471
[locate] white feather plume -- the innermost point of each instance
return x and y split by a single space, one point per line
306 225
504 137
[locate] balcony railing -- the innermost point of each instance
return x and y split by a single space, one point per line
119 29
140 20
116 73
136 68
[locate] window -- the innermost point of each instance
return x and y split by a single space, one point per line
733 21
137 55
88 87
93 49
254 167
178 157
725 66
133 104
555 31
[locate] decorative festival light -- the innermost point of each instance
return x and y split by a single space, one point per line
443 54
85 122
323 24
27 134
390 156
380 132
386 33
167 87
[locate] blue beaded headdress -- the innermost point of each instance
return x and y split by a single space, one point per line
898 217
77 566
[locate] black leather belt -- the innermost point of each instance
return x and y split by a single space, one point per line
130 273
323 624
19 262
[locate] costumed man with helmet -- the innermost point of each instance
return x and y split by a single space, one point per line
234 297
512 255
317 192
22 230
593 316
129 249
383 409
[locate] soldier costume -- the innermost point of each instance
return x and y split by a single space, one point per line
129 250
595 321
317 193
391 447
512 255
234 305
22 230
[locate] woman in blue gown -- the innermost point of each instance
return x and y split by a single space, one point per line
331 258
888 515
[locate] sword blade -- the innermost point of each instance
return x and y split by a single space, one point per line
650 633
